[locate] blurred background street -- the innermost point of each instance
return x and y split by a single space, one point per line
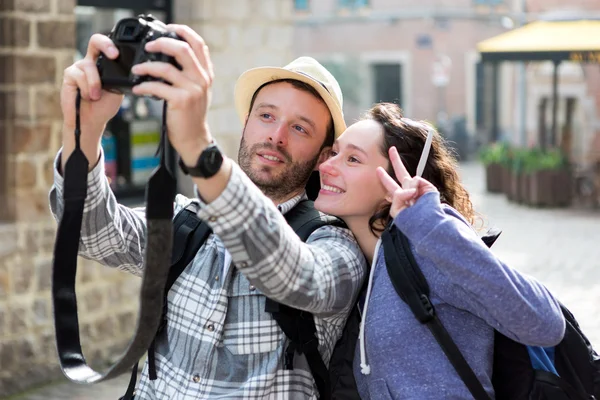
514 85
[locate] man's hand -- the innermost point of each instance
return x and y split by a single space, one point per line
97 106
188 95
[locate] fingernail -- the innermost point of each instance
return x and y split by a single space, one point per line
95 93
112 51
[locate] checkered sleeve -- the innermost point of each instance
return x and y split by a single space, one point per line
321 276
111 233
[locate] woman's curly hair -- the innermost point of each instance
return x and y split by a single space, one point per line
409 136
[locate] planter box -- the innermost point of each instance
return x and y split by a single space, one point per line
562 184
551 188
493 178
525 183
506 178
515 193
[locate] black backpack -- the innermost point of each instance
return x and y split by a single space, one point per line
513 377
190 232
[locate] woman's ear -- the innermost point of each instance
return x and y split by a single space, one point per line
323 156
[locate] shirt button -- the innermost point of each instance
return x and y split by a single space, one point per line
244 264
196 378
252 288
217 278
212 219
210 327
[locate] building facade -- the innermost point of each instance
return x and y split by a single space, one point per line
423 55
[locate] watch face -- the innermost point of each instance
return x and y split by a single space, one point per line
210 161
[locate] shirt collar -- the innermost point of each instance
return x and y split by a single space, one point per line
291 203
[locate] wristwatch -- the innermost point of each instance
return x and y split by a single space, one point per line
208 163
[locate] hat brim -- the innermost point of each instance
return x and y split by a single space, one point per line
251 80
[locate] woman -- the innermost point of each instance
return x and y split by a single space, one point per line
369 181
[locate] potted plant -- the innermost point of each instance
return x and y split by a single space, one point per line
493 157
550 179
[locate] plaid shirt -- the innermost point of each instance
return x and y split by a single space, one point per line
219 341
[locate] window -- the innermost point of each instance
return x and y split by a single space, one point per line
387 79
488 2
351 4
301 5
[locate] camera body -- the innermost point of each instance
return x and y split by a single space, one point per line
130 36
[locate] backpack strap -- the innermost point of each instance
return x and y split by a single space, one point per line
410 284
299 326
189 234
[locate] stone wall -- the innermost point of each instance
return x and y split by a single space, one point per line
37 40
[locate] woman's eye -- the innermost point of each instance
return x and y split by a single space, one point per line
353 160
265 116
332 153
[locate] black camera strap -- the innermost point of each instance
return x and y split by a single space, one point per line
160 194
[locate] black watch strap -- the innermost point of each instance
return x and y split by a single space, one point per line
208 164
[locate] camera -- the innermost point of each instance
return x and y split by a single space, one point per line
130 36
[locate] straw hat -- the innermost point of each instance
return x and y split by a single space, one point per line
304 69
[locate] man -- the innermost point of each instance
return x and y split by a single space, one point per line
219 340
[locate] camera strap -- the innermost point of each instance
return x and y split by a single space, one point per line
160 194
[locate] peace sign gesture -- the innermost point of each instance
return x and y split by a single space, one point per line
412 188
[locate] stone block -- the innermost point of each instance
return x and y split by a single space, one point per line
215 36
31 138
47 345
4 281
18 319
47 103
48 172
127 322
253 36
41 312
43 272
56 34
15 32
14 104
8 355
23 276
35 69
66 6
279 37
106 328
92 299
25 175
232 10
33 6
31 205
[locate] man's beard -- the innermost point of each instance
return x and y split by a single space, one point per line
292 178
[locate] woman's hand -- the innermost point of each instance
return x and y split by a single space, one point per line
411 188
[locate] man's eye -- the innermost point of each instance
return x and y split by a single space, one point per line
266 116
299 129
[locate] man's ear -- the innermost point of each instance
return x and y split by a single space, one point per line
323 156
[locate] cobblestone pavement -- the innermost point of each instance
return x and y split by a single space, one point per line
559 247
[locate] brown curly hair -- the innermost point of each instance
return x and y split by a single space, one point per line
409 137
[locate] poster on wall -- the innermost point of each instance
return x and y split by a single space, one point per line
145 137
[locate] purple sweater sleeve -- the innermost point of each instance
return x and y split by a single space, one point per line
516 305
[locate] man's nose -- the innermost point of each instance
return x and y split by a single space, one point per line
280 135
